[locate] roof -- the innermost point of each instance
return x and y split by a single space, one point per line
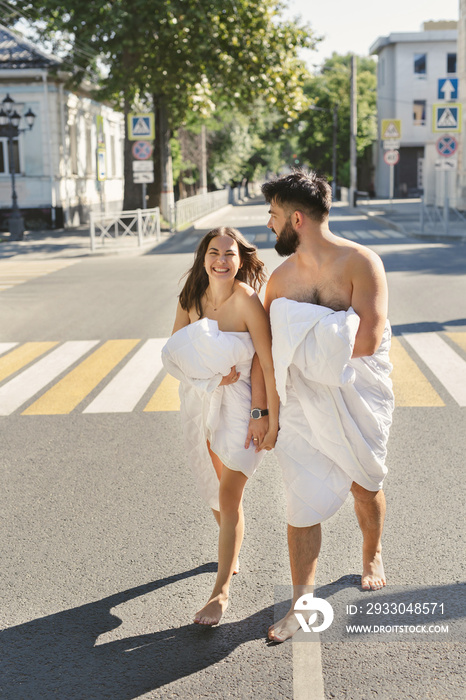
413 37
16 52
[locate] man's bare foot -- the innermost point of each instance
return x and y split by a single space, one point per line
211 613
285 628
373 575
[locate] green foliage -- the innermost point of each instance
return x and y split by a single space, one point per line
329 88
195 55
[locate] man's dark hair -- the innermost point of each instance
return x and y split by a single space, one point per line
301 189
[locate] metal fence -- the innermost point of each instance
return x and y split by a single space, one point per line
137 224
185 211
443 220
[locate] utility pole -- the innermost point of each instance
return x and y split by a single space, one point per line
203 165
334 156
353 133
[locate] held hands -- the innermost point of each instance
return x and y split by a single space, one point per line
263 437
230 378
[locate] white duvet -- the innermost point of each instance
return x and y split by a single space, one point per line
199 355
335 412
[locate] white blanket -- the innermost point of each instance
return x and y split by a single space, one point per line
199 355
335 412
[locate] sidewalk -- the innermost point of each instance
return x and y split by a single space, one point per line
404 215
70 243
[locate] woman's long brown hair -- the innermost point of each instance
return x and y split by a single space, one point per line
251 271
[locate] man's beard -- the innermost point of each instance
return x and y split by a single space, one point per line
288 240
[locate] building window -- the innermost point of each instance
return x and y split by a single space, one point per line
451 62
420 64
5 167
419 112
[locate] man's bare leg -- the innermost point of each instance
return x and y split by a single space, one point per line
304 547
231 533
370 509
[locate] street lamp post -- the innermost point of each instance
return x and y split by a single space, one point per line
9 128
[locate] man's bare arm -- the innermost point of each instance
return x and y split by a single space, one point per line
370 301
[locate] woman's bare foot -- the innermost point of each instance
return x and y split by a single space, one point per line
236 569
285 628
373 575
211 613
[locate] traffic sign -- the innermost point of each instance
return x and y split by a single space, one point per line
391 144
145 166
447 146
447 117
141 127
446 164
101 164
142 150
448 89
391 157
391 129
142 178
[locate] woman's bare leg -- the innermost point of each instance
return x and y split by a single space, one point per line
231 533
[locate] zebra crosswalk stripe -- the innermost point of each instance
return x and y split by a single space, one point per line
22 356
25 385
68 393
444 362
68 373
130 384
410 386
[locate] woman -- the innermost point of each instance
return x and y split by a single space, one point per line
220 323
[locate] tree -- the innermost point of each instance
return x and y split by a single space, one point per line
181 56
329 88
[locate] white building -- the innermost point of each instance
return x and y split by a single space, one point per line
71 161
410 66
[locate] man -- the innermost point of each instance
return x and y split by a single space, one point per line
328 310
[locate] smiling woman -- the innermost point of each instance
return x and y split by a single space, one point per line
227 417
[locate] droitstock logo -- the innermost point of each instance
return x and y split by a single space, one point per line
308 604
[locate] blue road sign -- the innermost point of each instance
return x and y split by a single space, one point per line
448 89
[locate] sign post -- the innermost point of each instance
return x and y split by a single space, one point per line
391 136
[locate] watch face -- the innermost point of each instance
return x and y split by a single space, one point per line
255 413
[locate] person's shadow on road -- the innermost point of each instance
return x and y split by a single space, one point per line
56 656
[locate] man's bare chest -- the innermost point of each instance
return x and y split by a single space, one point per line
335 293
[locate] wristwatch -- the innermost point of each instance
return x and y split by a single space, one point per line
259 412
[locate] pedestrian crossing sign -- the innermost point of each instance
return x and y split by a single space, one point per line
391 129
447 117
141 127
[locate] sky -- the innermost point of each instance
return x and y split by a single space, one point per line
354 25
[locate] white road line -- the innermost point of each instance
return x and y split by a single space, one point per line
364 234
444 362
4 347
308 682
379 234
25 385
190 240
394 234
348 234
125 390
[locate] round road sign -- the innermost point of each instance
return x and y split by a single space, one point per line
447 146
142 150
391 157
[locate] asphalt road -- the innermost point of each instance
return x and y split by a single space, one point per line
107 551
